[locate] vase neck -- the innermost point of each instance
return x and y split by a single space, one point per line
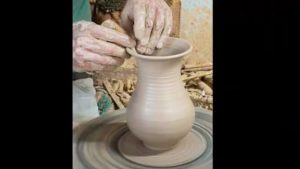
159 68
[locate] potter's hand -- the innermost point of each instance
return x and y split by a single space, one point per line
149 20
96 47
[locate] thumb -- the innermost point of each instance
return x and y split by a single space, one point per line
126 22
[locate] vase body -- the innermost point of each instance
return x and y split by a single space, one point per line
160 112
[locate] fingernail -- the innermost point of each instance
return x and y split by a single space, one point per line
141 49
159 45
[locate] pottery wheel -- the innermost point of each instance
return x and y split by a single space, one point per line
106 142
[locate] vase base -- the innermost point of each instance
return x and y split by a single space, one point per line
185 151
159 148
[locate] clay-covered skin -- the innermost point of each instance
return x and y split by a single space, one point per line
96 47
160 112
150 21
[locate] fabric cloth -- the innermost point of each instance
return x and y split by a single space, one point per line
84 101
81 10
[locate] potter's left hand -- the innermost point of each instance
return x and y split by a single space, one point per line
150 21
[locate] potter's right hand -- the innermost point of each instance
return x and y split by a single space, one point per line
96 47
150 21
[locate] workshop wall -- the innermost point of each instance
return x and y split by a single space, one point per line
196 27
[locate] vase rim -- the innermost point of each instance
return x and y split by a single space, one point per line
133 52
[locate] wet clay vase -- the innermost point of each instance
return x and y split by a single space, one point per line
160 112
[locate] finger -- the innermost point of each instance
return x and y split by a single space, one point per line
141 48
90 66
126 21
127 25
77 66
150 16
98 58
167 29
106 34
139 26
101 47
156 32
139 16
